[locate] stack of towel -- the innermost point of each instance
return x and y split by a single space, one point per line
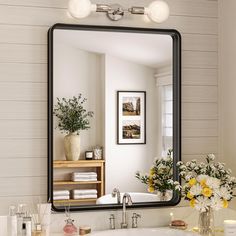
84 193
61 194
84 176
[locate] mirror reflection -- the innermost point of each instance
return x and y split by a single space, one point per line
120 85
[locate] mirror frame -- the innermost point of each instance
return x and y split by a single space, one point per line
176 60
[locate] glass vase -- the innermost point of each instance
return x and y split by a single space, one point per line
164 196
206 223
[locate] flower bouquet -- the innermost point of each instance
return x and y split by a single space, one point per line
207 186
160 177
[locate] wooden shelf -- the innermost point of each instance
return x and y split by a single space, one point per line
79 163
75 200
75 182
97 166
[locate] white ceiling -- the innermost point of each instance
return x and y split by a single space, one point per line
153 50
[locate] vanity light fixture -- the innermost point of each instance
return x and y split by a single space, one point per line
157 11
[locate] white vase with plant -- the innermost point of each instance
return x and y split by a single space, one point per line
72 118
208 186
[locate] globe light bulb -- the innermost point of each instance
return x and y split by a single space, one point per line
81 8
158 11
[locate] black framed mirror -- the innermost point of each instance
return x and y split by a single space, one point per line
131 80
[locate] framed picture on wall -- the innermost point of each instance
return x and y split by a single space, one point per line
131 117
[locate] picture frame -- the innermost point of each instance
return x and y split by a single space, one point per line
131 117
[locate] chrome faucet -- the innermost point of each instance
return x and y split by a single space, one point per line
116 192
126 197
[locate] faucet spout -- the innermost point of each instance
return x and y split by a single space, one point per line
126 199
116 193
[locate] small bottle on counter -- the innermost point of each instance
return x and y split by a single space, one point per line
97 153
70 229
23 230
20 214
38 230
27 222
12 221
89 155
83 230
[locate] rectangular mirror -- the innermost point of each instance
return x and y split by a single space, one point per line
130 78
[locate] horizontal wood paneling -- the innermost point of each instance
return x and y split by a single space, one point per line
31 201
193 59
194 8
198 76
18 110
199 128
37 3
22 34
24 167
199 94
23 72
23 91
23 186
23 53
202 111
195 42
23 129
199 145
22 148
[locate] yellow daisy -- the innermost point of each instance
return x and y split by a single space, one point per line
207 192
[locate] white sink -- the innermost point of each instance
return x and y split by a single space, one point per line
143 232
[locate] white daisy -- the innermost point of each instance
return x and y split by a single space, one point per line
196 190
216 203
213 183
224 193
202 203
202 177
211 156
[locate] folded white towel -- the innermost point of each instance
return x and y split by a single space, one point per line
84 173
61 193
93 196
84 176
83 179
84 191
61 197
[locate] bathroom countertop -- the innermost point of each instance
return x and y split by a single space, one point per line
61 234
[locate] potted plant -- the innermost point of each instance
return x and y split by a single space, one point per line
72 118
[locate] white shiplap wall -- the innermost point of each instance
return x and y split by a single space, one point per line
23 84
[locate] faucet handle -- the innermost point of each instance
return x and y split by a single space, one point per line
135 215
135 220
116 192
112 221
